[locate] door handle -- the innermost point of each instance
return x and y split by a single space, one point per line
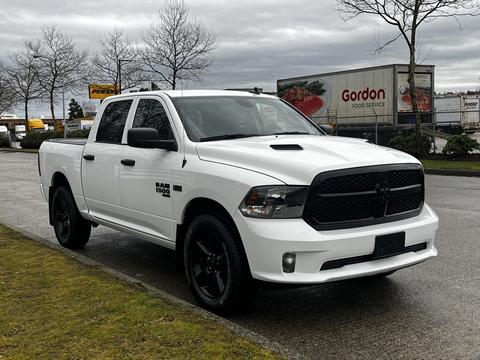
89 157
128 162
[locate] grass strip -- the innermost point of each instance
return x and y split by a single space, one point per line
451 165
52 307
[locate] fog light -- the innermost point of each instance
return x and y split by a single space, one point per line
288 262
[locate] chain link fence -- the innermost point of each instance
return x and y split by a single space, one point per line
378 129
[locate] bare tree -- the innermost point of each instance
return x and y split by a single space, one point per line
118 61
406 16
8 97
23 77
61 67
177 47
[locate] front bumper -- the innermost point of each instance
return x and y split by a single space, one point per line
266 240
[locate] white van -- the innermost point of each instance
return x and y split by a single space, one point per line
20 132
3 131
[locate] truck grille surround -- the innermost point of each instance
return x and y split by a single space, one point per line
362 196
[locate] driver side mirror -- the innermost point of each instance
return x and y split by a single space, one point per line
327 128
149 138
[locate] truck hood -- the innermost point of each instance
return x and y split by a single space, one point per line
298 167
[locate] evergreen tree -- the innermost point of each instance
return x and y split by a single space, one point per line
75 111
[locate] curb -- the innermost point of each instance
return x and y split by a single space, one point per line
452 172
235 328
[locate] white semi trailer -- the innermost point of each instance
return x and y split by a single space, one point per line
461 110
362 96
471 113
448 110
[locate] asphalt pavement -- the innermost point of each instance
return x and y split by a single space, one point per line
428 311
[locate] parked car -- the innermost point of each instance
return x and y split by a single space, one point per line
20 132
4 131
243 187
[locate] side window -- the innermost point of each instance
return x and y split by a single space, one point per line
150 113
113 121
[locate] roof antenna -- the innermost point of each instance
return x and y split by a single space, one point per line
256 90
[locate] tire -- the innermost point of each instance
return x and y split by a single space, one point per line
71 229
216 269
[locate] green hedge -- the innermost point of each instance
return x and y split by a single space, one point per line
80 133
460 145
407 142
33 140
4 141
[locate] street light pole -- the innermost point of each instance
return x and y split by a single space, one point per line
65 127
119 68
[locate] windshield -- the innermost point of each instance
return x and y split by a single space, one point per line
208 118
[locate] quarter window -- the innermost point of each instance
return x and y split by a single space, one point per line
151 114
113 121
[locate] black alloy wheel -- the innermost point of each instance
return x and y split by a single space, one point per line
61 218
71 229
209 262
215 265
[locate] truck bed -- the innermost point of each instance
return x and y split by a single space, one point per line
70 141
64 156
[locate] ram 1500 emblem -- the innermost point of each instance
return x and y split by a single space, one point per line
163 188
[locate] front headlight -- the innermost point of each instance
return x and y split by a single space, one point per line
281 201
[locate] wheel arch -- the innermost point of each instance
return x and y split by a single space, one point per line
203 205
58 179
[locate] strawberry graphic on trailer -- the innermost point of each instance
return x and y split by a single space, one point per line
306 97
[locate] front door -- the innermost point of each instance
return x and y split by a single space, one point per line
146 176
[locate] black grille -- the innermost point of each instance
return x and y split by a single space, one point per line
364 196
399 203
399 178
347 183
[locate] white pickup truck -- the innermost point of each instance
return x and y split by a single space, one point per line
244 187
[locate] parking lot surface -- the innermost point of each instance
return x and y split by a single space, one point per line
429 311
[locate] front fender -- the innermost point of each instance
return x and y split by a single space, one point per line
227 185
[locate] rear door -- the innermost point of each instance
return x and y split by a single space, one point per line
101 161
146 188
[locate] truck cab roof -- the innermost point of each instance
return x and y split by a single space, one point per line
192 93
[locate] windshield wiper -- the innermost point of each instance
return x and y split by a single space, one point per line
293 133
227 136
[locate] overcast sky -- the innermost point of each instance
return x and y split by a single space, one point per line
259 41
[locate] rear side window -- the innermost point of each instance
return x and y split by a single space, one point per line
113 121
150 113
